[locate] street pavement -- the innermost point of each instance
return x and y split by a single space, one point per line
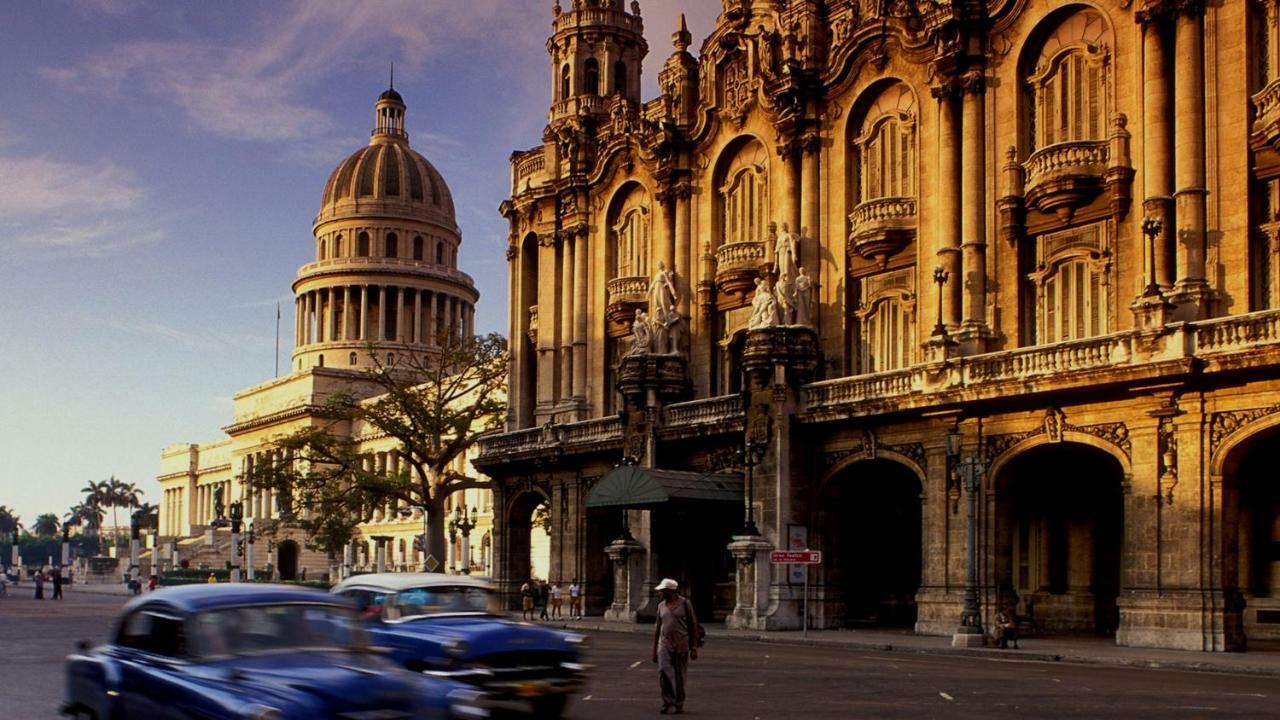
737 678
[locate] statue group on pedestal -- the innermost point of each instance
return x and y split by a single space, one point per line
661 330
789 301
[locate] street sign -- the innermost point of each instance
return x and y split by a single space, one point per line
432 563
796 557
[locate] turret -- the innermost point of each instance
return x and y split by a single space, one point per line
597 48
679 77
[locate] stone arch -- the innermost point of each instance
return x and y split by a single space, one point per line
630 198
526 326
1236 439
879 454
518 511
1068 436
738 154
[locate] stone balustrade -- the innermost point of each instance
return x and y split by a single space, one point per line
737 266
579 104
882 227
859 388
706 410
498 444
1063 357
362 264
1237 332
587 431
1064 176
632 289
573 20
531 164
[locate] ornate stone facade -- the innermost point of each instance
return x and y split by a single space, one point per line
1047 227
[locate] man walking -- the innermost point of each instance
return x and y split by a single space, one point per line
675 636
57 582
575 601
557 600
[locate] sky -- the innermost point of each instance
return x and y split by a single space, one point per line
160 165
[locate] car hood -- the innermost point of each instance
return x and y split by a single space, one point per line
482 634
342 682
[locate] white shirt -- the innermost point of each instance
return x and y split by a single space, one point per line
573 591
555 591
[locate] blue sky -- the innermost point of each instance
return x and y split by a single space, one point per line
160 164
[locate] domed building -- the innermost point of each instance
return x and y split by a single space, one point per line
384 283
386 263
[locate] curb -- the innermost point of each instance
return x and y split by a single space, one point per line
1189 665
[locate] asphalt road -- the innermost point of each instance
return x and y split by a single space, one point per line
738 679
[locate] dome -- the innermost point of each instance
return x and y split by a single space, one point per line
388 178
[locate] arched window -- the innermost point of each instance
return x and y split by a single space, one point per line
320 251
393 243
439 253
887 320
320 361
629 221
591 77
337 246
620 77
565 79
1073 285
1069 84
885 146
391 358
351 359
745 207
362 245
417 247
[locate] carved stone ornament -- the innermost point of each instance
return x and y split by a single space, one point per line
1223 424
914 452
1055 426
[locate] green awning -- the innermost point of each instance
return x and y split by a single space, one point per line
632 486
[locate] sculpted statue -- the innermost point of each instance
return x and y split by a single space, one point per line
804 299
217 501
641 338
662 292
675 333
764 307
659 331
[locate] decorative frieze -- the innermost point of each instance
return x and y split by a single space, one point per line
1054 427
1223 424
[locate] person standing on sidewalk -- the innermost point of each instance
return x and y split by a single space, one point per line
38 578
557 601
575 601
56 574
526 601
675 635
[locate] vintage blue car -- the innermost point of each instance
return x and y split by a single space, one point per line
250 652
448 626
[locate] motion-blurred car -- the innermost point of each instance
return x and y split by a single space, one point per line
449 626
250 652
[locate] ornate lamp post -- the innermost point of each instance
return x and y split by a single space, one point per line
237 518
465 523
940 277
969 471
248 554
750 455
1151 229
135 537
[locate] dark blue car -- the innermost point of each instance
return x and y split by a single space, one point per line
448 626
250 652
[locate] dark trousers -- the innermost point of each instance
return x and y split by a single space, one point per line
57 589
672 667
39 592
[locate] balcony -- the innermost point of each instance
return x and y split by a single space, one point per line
738 264
384 264
530 170
625 296
882 227
706 411
1066 176
1266 129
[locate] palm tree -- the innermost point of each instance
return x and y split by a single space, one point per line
46 525
148 516
9 521
86 515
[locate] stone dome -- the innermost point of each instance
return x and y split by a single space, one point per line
388 177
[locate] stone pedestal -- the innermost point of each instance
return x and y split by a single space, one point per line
644 379
793 348
754 575
940 347
627 557
1151 311
235 558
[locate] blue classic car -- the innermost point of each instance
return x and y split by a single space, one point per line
448 626
257 652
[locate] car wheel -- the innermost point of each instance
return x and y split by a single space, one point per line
550 707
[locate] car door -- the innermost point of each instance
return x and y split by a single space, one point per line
150 647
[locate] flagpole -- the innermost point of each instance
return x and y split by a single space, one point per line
277 340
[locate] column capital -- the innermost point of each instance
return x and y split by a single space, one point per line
973 82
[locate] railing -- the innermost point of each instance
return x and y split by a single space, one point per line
882 210
534 162
507 442
1237 332
571 19
1267 100
600 429
579 104
1081 157
632 289
707 410
1075 355
738 254
419 267
860 388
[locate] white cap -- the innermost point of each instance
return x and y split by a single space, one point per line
667 584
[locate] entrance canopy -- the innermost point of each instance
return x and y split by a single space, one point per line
631 486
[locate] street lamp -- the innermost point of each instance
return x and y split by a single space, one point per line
750 455
968 471
407 511
940 277
236 511
465 524
453 542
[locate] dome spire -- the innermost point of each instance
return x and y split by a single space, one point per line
389 114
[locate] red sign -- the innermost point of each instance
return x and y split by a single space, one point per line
796 557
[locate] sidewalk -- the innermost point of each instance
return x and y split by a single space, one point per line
28 588
1082 650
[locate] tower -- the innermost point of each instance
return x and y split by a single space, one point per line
385 274
597 48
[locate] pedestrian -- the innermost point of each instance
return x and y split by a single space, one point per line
541 599
675 634
213 579
575 600
1006 628
57 583
153 583
39 580
556 601
526 602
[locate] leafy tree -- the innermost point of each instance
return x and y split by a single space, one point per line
47 525
435 406
96 497
9 521
86 516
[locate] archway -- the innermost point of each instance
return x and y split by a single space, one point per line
1059 530
528 544
287 560
868 521
1251 547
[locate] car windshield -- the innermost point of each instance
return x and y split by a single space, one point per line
438 599
275 628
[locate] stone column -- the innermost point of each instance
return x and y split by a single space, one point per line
548 319
416 336
566 316
1191 289
1157 152
753 575
627 557
402 324
580 249
973 213
346 312
948 202
380 333
362 332
810 202
334 332
298 339
684 250
431 318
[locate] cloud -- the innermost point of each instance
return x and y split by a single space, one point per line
255 86
71 208
208 341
